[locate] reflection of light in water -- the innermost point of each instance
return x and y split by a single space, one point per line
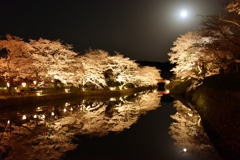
24 117
112 88
112 99
121 99
39 109
93 122
188 131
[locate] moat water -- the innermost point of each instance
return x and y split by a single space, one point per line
145 125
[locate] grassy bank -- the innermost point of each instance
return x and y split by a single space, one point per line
218 102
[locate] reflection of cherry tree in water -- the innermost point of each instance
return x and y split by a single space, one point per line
50 135
189 133
122 115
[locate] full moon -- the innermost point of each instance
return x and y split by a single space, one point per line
183 14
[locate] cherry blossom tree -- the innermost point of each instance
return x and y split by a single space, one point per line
99 68
55 60
188 56
201 54
17 60
147 76
234 6
121 70
93 62
49 61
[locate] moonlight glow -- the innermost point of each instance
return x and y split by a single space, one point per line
183 14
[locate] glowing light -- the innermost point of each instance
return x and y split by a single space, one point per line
112 88
24 84
67 104
167 82
35 116
8 121
38 94
67 90
64 110
8 84
52 113
184 149
24 117
168 91
112 99
43 116
34 82
183 14
71 109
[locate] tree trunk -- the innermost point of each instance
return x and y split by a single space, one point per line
55 84
10 83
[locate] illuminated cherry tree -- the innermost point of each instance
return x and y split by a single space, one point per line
234 6
17 60
122 70
48 61
93 62
55 60
147 76
195 56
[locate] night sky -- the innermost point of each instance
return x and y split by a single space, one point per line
139 29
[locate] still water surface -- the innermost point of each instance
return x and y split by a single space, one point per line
138 126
